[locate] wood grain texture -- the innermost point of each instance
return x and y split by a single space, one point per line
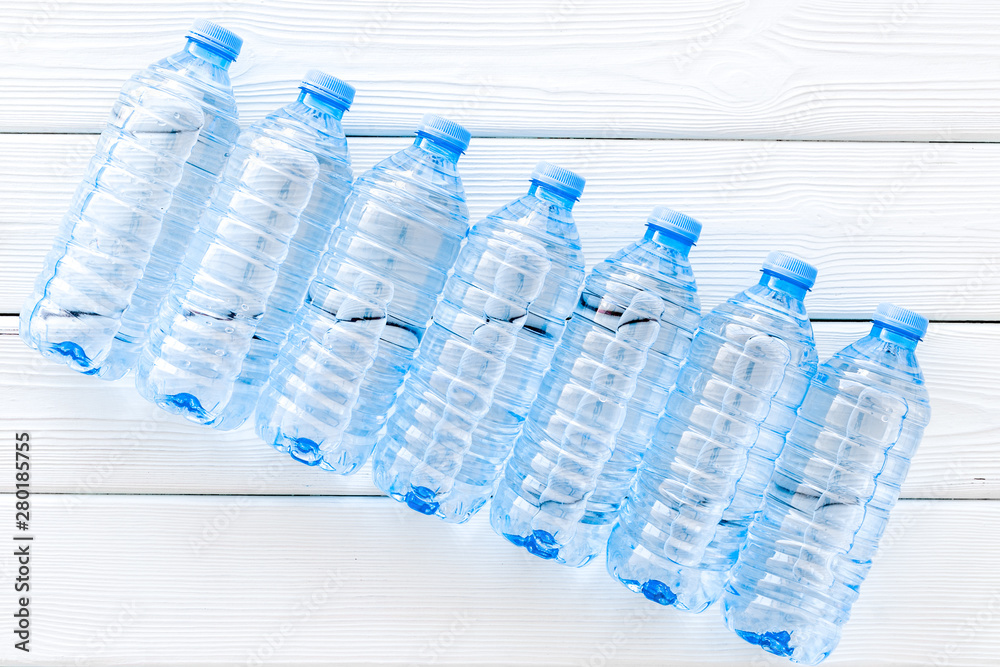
318 581
100 437
851 69
912 223
158 542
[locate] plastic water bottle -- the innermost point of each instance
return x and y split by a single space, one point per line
702 478
246 274
504 308
835 482
370 303
601 399
119 245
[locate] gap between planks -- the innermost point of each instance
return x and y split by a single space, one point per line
102 437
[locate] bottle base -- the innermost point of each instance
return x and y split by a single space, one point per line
302 450
661 580
393 472
72 355
311 453
69 354
775 643
511 517
36 335
184 404
346 455
786 633
421 499
105 361
75 357
425 501
657 591
540 543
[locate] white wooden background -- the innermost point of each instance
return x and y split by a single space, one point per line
858 133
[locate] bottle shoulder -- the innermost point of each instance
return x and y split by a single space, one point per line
203 79
770 324
535 221
874 363
415 175
649 266
303 128
536 214
764 309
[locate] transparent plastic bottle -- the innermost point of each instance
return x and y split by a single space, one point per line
811 545
245 275
166 141
399 235
503 309
703 475
600 401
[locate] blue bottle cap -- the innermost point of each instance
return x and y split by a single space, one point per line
566 181
902 320
791 268
676 223
226 42
330 88
445 130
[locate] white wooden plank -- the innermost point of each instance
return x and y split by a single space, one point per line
99 437
119 580
914 223
102 437
880 69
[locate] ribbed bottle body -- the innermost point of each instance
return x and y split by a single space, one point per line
713 451
511 291
839 475
208 83
525 503
306 404
321 134
219 331
403 224
206 325
99 259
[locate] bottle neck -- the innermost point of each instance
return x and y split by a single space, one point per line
437 147
779 284
208 54
550 194
321 104
668 240
893 336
